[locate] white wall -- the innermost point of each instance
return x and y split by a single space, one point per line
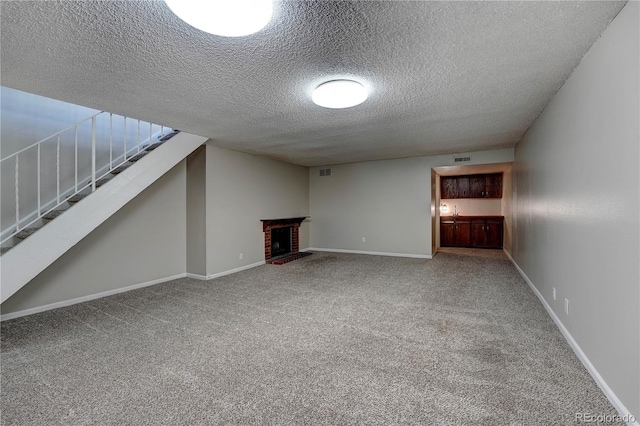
387 202
144 241
576 206
26 118
241 190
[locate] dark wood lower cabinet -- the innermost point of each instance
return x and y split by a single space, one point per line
471 231
455 234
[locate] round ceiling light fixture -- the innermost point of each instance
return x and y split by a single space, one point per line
228 18
339 94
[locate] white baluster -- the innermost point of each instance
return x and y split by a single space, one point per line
124 143
17 197
110 141
58 170
93 154
39 203
76 154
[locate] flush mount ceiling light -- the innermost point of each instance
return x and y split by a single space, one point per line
339 94
228 18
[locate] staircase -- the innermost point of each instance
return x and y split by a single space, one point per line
32 248
20 236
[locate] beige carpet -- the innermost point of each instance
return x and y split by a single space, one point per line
328 339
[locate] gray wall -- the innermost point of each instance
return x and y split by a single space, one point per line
387 202
577 205
197 212
241 190
507 207
142 242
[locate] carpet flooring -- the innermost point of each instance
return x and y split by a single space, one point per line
327 339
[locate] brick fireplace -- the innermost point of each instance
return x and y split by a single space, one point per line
274 235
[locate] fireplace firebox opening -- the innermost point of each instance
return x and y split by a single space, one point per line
280 241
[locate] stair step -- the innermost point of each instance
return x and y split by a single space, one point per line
121 168
101 182
152 146
76 198
53 214
169 135
3 250
138 156
26 232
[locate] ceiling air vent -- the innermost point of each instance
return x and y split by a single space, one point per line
461 160
325 172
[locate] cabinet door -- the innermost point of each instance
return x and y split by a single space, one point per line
463 189
494 230
447 238
478 185
478 234
447 187
494 185
462 234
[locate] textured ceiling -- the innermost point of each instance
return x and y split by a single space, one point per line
444 77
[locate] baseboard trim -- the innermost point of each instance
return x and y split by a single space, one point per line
608 392
196 276
77 300
373 253
233 271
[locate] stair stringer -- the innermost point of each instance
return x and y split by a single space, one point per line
25 261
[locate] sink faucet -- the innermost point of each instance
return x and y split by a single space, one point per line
455 211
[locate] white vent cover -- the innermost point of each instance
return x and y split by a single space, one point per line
325 172
461 159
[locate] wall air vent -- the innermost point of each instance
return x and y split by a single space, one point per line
461 159
325 172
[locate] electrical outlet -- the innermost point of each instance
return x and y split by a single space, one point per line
566 306
241 256
364 239
554 293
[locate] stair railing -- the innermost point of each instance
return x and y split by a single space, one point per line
155 133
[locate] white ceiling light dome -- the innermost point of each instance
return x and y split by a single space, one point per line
339 94
228 18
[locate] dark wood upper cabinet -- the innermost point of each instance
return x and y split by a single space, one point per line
447 187
471 186
454 187
494 185
478 185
